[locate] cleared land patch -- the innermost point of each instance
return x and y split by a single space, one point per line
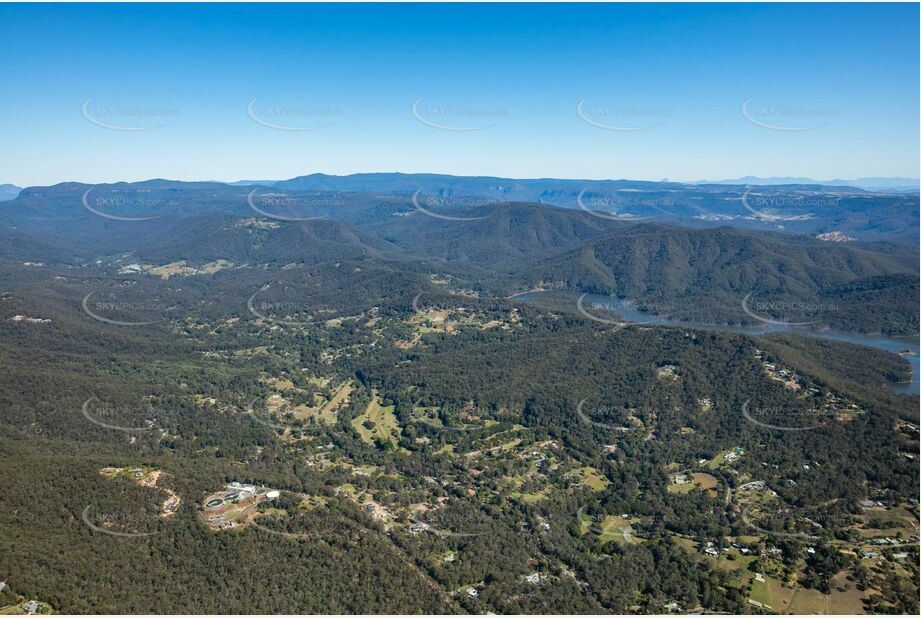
378 425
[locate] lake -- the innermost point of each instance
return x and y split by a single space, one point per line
629 314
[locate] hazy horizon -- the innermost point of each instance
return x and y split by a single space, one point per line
253 180
685 92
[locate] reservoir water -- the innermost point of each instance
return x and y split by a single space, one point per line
909 345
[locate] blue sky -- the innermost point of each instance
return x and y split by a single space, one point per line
831 91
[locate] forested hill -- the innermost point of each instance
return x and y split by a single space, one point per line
843 212
495 247
703 275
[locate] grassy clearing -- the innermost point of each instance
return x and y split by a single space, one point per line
173 268
134 473
705 481
612 529
530 497
585 523
329 411
700 480
689 545
591 478
378 424
504 447
273 513
737 565
809 602
763 592
515 483
326 413
683 488
720 458
312 502
848 600
771 592
212 267
427 415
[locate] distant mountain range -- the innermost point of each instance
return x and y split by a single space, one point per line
367 181
400 182
872 183
806 207
829 212
9 192
690 272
